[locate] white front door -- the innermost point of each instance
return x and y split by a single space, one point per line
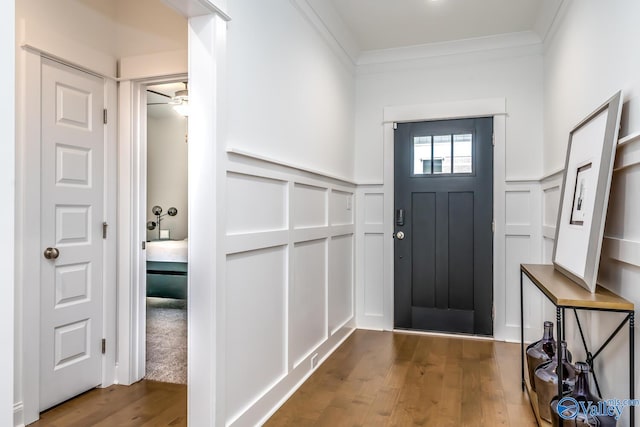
72 190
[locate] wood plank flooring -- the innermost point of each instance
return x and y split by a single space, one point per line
373 379
392 379
146 403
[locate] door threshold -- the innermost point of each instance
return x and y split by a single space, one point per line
444 334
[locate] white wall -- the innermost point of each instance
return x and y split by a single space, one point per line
291 97
167 171
148 26
7 197
591 56
288 287
516 76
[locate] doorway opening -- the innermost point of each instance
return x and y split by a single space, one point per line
443 187
166 217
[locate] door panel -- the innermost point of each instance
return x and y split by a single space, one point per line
71 221
443 265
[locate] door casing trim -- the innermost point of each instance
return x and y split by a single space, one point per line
132 205
490 107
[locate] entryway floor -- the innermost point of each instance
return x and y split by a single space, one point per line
394 379
373 379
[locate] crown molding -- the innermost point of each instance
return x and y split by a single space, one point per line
450 48
327 23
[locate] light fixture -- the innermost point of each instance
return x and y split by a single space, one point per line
157 211
180 101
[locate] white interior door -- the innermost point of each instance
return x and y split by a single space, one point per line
72 190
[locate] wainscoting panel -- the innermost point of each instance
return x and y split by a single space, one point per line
518 208
290 280
373 209
371 262
307 319
309 206
373 275
256 319
248 195
340 307
341 208
520 238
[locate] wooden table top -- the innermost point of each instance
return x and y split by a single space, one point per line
564 292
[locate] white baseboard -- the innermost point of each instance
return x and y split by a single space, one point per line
18 414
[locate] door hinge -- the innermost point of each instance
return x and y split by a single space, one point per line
144 245
493 312
104 230
104 345
493 139
395 126
493 226
104 116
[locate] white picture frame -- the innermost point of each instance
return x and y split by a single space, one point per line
585 194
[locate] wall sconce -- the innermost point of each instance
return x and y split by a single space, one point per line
157 211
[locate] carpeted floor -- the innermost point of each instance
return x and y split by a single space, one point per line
167 340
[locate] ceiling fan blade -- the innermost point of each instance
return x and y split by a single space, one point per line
158 93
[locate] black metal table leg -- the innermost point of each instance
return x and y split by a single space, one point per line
559 327
521 332
632 366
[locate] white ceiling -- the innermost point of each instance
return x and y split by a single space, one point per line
386 24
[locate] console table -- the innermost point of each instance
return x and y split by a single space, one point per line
565 294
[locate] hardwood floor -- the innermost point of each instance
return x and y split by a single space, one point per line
146 403
392 379
373 379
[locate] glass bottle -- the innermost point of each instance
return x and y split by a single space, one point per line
581 393
546 380
540 352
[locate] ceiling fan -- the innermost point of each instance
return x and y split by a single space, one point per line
179 101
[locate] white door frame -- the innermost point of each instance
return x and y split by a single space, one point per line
28 244
206 129
132 232
494 107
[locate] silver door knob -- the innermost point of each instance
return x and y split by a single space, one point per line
51 253
400 235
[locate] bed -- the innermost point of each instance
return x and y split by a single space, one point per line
167 269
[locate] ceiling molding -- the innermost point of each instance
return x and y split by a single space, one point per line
332 30
557 22
453 48
193 8
549 17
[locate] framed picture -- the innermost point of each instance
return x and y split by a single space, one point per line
585 194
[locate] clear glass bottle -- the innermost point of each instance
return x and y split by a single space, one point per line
581 393
546 380
540 352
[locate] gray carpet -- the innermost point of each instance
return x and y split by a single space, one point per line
167 340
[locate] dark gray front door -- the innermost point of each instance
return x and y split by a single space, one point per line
443 224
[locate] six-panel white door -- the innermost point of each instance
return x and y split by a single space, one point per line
72 188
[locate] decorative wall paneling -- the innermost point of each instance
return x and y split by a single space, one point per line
620 259
289 281
370 261
521 237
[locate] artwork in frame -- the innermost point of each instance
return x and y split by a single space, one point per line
580 194
585 194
